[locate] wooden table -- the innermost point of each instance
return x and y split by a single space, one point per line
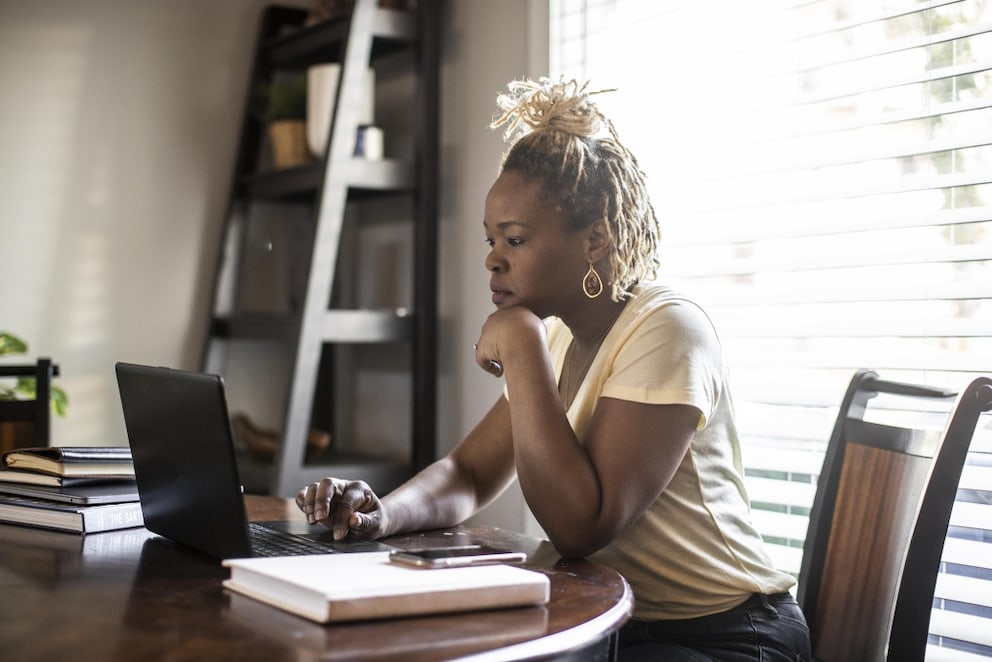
131 595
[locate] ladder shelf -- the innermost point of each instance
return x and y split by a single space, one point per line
320 320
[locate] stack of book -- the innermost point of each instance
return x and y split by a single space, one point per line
77 489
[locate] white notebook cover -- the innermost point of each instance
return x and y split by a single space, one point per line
345 587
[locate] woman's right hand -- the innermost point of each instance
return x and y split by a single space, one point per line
505 332
343 506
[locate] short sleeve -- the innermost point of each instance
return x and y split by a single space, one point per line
669 355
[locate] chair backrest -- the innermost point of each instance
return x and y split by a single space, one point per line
31 418
864 513
911 620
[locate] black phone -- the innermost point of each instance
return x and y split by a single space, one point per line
454 557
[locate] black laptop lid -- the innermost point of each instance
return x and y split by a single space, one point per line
184 463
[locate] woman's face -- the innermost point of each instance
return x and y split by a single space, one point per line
533 262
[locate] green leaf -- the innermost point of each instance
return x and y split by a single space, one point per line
11 344
284 98
60 401
25 387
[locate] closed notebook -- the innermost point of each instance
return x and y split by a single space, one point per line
346 587
72 460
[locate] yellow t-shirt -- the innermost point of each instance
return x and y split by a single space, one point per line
694 552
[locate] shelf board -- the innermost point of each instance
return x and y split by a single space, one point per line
365 178
384 175
394 31
258 326
367 326
339 326
298 181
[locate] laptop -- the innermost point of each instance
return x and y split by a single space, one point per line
186 470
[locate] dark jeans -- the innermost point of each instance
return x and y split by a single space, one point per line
764 627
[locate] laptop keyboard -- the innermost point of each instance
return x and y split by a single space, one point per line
269 542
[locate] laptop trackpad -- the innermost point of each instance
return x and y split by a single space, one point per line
322 535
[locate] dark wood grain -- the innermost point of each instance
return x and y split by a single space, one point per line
131 595
870 529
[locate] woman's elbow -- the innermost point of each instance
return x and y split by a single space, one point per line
575 545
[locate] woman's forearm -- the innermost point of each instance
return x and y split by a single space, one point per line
556 474
439 496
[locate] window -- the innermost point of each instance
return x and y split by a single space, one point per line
823 173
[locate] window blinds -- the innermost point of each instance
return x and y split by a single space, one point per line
823 173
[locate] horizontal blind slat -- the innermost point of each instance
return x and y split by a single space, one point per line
806 188
728 137
976 516
731 296
866 255
821 220
967 552
962 627
885 45
936 653
780 492
968 590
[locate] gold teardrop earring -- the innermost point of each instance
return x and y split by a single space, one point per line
592 284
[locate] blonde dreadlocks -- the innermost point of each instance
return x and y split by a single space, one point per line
559 136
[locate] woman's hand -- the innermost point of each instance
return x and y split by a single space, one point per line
504 332
343 506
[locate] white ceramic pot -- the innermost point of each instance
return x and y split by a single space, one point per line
322 85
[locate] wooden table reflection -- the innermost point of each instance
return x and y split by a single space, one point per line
131 595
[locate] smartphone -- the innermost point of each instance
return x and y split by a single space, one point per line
454 557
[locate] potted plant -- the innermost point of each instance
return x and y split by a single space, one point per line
16 432
282 107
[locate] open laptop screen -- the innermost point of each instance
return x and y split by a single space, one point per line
185 468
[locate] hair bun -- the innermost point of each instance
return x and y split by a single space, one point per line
544 105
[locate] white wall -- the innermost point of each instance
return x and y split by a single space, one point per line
487 45
118 131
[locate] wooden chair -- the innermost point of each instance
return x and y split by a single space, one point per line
874 477
28 422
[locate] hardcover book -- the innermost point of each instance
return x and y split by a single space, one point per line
346 587
69 461
76 518
118 491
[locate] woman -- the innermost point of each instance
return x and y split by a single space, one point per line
616 417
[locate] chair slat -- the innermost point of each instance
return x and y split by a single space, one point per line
867 541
